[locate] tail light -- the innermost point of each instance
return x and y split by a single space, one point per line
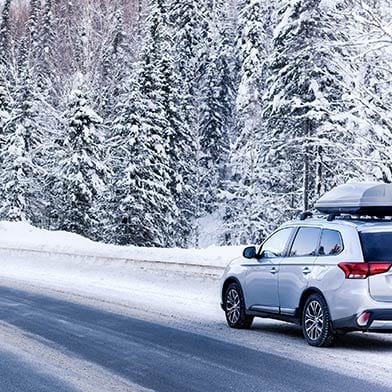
363 270
363 319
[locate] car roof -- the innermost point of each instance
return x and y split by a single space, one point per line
358 224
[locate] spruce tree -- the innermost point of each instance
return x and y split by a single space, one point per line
214 142
5 34
145 207
34 25
245 216
188 46
45 46
216 114
113 95
21 149
369 117
148 207
179 141
185 17
82 172
304 101
113 68
4 109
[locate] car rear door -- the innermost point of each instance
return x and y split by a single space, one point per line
377 248
261 286
296 268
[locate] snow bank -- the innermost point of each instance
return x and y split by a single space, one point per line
20 235
144 278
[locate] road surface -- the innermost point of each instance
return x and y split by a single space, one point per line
57 343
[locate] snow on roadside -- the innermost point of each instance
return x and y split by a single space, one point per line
21 235
74 264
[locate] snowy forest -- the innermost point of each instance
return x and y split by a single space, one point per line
147 122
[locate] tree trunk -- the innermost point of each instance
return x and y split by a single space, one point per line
306 174
319 172
306 179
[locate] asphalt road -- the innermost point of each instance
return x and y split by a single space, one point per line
17 375
146 354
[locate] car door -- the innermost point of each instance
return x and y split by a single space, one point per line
261 286
295 269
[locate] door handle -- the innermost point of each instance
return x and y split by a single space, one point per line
273 270
306 270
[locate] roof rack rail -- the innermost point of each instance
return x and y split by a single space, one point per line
305 214
332 216
344 216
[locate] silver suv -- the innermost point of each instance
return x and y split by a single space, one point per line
330 275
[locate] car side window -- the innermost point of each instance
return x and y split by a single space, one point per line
275 245
305 242
331 243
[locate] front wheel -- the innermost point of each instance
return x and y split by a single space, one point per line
316 322
235 308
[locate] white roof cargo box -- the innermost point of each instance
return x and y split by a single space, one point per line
371 199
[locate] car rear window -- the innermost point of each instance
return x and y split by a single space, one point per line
377 246
331 243
305 242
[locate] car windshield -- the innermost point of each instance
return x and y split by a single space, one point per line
377 246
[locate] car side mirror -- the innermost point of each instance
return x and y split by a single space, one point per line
250 252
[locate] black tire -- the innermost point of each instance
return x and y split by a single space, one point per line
316 322
234 305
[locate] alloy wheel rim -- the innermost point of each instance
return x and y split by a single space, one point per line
233 306
314 320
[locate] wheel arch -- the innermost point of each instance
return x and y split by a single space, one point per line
305 295
229 280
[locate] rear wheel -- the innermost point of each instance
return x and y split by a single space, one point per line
316 322
235 308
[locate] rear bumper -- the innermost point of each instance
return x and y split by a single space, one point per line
380 321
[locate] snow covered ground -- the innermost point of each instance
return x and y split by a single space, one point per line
19 235
172 278
185 298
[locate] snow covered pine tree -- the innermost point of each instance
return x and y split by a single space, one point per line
82 172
